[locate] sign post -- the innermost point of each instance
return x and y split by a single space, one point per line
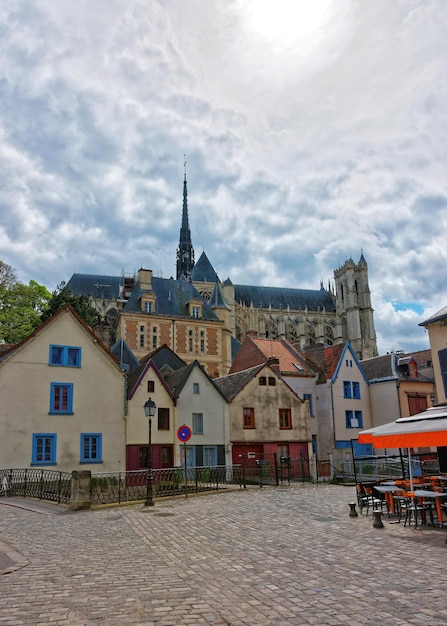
184 435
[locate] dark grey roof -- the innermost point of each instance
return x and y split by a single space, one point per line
164 357
440 315
217 298
390 366
379 367
124 354
282 297
233 383
95 285
203 271
177 380
235 347
172 298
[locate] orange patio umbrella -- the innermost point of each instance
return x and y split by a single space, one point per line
425 429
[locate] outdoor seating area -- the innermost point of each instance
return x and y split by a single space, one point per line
415 502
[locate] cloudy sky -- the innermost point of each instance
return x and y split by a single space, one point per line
312 131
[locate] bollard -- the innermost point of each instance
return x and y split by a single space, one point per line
353 512
377 519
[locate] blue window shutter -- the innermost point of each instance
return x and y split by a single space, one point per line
346 389
348 415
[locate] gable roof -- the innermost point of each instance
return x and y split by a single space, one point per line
137 375
163 356
328 359
284 297
178 379
346 348
325 359
203 271
255 351
65 309
232 384
290 360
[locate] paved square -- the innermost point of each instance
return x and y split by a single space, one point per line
270 556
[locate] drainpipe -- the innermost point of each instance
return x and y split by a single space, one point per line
333 415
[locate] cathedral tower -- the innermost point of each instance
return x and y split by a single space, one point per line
185 251
353 307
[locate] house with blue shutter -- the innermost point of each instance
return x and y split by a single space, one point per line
63 401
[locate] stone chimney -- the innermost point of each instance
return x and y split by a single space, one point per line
273 363
145 279
252 333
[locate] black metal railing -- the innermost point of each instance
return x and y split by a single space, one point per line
117 487
268 469
36 483
381 468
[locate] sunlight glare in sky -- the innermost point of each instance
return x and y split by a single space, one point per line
285 22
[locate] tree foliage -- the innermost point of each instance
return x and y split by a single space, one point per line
81 304
21 306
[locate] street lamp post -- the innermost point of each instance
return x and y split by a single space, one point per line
149 410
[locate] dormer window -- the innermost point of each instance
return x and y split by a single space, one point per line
148 303
195 308
148 307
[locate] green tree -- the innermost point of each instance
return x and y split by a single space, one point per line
21 306
81 304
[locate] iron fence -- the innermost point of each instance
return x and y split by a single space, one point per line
382 468
268 469
118 487
36 483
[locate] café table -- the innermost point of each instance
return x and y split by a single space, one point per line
389 491
436 495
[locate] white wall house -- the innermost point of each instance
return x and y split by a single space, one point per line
63 402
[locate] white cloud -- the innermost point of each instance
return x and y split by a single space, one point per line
311 131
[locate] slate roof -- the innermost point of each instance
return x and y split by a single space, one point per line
440 315
232 384
217 298
124 354
379 367
172 298
282 297
177 380
172 295
95 285
392 366
164 357
203 271
423 358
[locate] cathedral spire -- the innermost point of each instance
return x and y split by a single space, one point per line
185 251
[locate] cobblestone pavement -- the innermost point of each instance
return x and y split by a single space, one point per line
270 556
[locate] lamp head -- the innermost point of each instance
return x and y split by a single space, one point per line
149 408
